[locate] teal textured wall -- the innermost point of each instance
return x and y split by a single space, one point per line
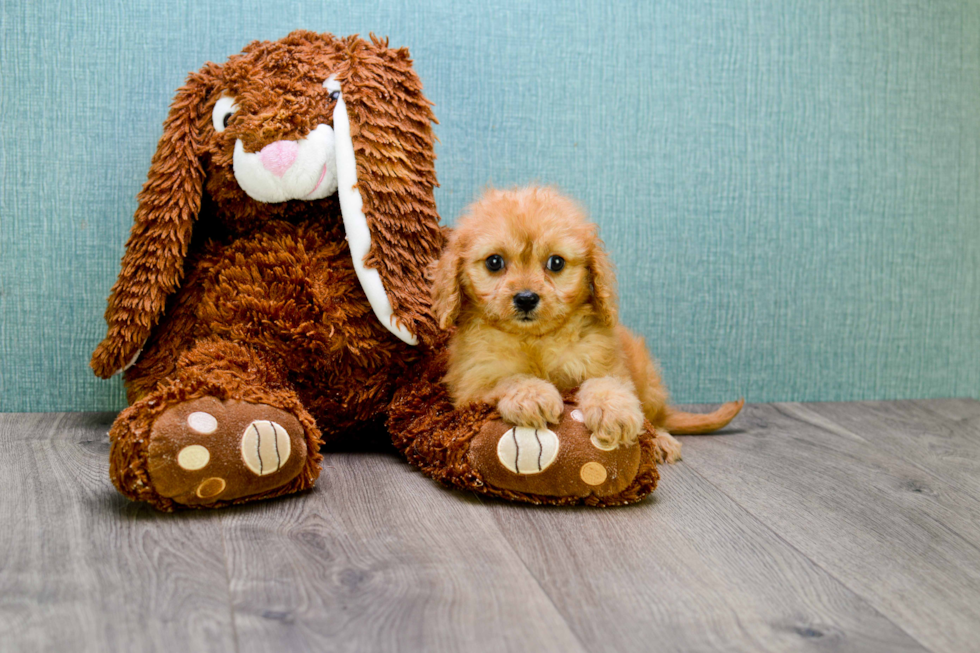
789 188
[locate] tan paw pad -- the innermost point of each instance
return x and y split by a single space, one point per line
211 487
265 447
193 457
202 422
600 446
525 450
593 473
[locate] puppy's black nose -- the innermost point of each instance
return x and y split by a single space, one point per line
526 300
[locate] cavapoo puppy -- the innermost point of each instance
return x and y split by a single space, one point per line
527 282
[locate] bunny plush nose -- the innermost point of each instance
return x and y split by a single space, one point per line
279 156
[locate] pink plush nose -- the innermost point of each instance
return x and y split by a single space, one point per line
278 156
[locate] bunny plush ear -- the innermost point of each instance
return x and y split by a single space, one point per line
169 203
386 177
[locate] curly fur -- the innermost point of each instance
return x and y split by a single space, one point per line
522 360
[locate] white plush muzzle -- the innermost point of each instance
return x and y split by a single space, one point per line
305 169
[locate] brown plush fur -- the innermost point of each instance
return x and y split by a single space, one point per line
435 436
522 360
240 299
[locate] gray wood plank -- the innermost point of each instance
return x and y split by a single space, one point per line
962 411
846 500
689 570
836 526
944 448
82 568
380 558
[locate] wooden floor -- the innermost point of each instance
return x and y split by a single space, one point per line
807 527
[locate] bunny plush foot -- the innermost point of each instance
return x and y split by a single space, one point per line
563 460
205 450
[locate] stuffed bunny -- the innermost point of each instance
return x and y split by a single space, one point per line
273 289
274 294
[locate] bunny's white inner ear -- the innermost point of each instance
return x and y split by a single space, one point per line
355 224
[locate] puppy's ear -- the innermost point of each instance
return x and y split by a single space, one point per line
447 297
603 283
153 264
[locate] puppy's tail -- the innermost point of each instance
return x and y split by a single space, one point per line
653 395
680 423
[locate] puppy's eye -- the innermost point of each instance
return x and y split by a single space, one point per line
555 263
335 95
223 108
495 263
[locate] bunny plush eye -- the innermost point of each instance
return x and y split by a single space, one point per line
335 95
223 108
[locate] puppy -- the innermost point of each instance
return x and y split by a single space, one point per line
526 280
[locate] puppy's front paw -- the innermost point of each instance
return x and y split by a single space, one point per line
532 402
611 410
